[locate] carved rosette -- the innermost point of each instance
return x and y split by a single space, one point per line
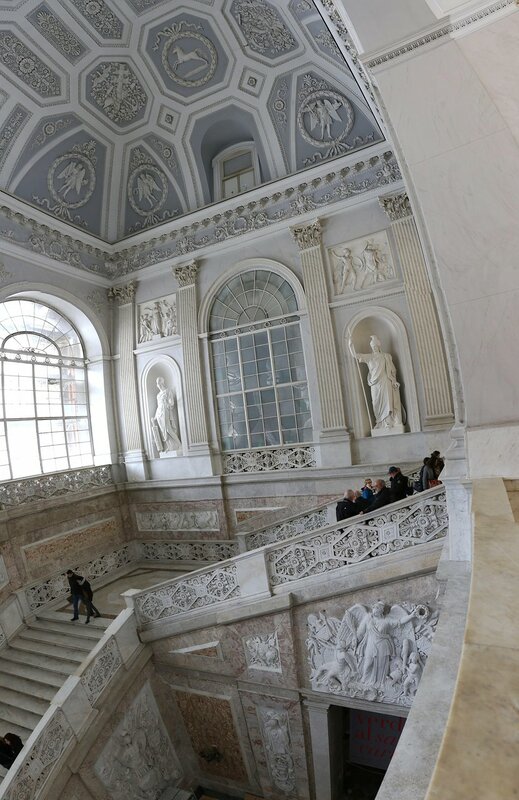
123 295
187 274
307 236
396 206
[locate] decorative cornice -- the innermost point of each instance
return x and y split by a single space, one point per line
186 274
440 33
123 294
396 206
307 236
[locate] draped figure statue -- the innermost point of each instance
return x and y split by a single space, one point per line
385 389
164 424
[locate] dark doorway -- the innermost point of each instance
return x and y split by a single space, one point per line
364 745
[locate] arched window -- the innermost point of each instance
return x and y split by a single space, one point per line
44 414
235 170
258 363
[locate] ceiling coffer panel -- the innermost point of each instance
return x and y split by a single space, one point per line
112 111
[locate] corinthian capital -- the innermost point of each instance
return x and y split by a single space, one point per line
186 275
307 236
396 206
123 294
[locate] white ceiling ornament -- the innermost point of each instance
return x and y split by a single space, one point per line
117 92
325 117
188 57
71 181
147 190
263 28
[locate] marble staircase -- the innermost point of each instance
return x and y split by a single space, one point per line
35 664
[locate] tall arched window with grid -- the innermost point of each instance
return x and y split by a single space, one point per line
258 363
44 413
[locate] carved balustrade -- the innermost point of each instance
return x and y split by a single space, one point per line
29 490
65 723
411 522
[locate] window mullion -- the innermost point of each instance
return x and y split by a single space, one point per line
274 386
8 450
36 420
244 398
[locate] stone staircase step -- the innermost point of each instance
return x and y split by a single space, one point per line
19 716
56 664
82 631
23 701
32 687
68 641
52 679
7 726
60 616
68 654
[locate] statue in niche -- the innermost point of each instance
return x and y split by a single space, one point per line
371 653
164 424
385 389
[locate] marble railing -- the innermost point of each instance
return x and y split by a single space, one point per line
47 591
66 721
411 522
309 520
42 487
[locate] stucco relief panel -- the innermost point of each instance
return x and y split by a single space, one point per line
157 319
361 264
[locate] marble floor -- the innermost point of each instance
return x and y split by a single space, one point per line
108 598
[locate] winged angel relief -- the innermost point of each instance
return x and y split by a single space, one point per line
371 653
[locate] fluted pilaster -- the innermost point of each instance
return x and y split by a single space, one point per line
187 313
438 398
308 238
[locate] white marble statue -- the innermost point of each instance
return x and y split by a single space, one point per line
164 424
371 653
385 389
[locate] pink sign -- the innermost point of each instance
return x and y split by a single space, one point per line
373 738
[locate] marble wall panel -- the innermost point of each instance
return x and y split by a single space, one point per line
233 660
47 556
210 724
182 520
14 579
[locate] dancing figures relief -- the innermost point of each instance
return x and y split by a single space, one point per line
373 653
361 264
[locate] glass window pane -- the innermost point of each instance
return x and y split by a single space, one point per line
23 448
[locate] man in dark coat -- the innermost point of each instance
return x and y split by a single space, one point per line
10 746
80 590
346 507
399 484
382 497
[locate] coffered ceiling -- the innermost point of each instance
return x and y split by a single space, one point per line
113 110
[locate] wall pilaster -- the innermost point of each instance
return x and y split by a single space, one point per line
309 240
187 313
437 391
127 395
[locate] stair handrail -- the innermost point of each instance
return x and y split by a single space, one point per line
65 723
252 574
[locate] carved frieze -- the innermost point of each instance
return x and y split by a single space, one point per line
262 652
361 264
375 653
158 319
177 520
188 551
139 760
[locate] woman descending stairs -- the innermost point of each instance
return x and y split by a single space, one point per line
36 663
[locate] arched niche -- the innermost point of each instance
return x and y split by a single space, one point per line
167 368
390 329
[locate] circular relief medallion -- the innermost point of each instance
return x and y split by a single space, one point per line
147 189
190 59
71 180
325 118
